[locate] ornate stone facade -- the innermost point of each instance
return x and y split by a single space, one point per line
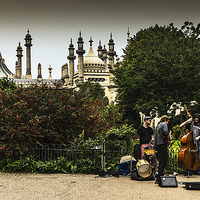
90 68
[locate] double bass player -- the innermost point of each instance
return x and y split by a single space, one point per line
193 124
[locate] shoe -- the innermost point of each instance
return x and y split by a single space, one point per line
156 181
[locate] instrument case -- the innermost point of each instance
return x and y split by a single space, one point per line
192 185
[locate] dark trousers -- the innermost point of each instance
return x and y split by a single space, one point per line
162 155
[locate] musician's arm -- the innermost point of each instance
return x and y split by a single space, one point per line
152 138
197 138
170 135
184 123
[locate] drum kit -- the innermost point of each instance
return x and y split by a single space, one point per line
143 167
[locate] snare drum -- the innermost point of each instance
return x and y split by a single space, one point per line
149 150
143 168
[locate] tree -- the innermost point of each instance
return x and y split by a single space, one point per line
39 115
93 90
160 66
7 84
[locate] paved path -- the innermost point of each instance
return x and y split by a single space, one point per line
88 187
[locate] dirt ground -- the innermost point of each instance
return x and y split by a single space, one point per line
80 186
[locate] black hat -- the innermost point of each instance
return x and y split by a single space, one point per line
147 118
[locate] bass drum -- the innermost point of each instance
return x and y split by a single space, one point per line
149 150
143 168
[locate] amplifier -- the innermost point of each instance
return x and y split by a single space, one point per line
168 181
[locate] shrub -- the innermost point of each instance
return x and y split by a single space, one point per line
44 115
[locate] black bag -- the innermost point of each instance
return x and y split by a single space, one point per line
136 176
192 185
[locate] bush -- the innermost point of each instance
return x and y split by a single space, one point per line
44 115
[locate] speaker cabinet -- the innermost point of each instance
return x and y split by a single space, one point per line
168 181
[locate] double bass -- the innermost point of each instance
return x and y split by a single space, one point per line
188 157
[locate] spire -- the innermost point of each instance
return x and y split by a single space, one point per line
128 39
99 47
91 41
50 71
71 45
100 52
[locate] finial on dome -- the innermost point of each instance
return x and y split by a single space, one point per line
110 35
91 41
99 47
80 33
71 40
28 31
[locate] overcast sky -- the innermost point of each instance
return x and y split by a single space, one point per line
52 24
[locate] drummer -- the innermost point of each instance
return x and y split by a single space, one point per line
146 137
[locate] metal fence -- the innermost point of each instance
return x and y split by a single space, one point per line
52 152
103 156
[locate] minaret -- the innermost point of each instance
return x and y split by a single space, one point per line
71 59
111 52
128 39
28 55
19 62
39 77
50 71
80 53
100 51
17 70
104 56
64 74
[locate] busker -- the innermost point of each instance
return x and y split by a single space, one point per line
162 136
193 123
146 137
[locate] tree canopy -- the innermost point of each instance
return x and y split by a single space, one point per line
160 66
7 84
92 90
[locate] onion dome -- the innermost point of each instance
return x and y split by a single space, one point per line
91 61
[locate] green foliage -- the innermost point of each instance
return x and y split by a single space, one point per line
7 85
62 165
44 115
92 90
113 114
177 132
117 137
160 66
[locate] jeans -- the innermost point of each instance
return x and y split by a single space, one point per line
162 155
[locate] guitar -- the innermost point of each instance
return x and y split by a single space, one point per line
167 138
